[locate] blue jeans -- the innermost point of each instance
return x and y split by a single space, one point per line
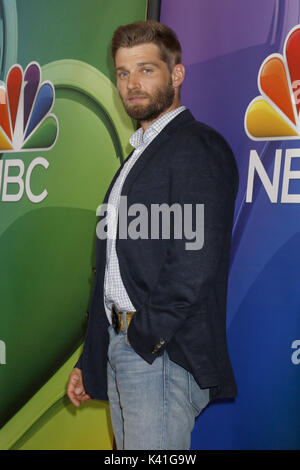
152 406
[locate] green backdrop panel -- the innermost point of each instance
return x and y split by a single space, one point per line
47 249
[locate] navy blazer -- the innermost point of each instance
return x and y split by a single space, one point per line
179 295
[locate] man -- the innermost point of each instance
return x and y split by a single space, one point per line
156 338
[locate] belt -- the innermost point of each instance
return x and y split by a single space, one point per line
117 319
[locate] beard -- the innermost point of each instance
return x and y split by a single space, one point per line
161 100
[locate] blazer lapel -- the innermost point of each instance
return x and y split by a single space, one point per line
115 177
142 160
164 135
146 155
101 247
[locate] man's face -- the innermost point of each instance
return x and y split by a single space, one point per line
144 81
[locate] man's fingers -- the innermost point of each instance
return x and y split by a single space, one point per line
74 378
73 381
85 397
73 399
77 400
75 389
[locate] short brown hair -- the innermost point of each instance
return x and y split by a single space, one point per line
142 32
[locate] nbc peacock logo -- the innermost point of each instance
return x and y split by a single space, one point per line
26 123
275 114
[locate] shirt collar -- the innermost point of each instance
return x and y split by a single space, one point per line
140 138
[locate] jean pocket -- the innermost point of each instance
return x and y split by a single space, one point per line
198 397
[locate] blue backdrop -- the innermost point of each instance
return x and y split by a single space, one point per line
224 44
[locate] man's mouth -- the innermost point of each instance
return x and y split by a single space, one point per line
134 99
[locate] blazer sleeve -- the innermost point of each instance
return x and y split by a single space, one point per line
204 172
79 362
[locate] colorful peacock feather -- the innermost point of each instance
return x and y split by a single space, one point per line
275 114
26 123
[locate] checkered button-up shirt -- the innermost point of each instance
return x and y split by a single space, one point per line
114 290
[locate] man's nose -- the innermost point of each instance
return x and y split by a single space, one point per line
133 82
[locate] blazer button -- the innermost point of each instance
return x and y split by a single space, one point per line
158 346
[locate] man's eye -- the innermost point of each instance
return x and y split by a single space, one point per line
147 71
122 74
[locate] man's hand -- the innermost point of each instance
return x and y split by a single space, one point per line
75 390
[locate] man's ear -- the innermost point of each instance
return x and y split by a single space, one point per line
178 75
